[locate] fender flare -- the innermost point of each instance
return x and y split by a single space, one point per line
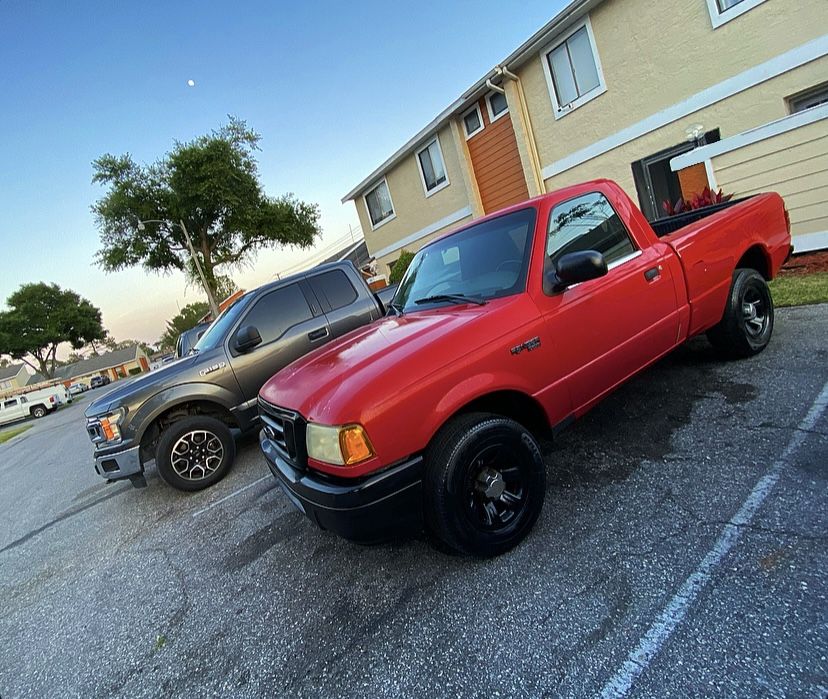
169 398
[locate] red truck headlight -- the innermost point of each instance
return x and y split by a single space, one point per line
342 445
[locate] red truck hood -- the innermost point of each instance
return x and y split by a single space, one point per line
340 381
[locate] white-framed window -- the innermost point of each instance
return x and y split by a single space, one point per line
573 69
497 105
472 121
722 11
432 167
379 204
812 97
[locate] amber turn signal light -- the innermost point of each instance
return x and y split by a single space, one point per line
354 444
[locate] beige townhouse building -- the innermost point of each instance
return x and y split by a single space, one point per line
665 98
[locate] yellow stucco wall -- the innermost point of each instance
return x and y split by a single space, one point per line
754 107
655 54
414 211
794 164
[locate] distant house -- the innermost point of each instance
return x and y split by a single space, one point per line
666 98
116 365
13 376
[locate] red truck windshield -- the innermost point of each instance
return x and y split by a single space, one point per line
485 261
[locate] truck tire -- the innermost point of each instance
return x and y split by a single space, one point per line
38 411
484 485
747 324
195 453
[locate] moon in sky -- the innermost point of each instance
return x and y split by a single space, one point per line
191 83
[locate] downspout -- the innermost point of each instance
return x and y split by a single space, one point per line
532 147
493 87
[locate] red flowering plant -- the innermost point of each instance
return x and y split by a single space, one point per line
707 197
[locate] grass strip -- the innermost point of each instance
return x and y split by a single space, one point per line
800 289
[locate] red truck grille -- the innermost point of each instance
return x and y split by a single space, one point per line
286 430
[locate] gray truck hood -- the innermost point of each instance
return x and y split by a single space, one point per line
124 392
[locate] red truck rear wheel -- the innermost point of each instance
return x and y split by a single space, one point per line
747 324
484 485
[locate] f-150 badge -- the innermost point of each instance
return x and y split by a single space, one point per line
213 367
529 345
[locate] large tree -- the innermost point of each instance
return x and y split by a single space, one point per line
40 318
211 186
185 319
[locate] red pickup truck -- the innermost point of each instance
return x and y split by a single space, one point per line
502 331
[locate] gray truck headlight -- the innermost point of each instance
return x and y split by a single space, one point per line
111 425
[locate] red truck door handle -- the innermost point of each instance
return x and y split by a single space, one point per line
652 274
317 334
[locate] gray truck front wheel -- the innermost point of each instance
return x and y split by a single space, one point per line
484 484
195 452
747 324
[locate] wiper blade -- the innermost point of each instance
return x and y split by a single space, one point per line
397 308
457 298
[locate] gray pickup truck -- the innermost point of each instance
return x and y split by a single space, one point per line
182 414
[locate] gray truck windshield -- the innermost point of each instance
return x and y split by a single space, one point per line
221 326
485 261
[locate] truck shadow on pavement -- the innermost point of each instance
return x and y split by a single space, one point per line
638 421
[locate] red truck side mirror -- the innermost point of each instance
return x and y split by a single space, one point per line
574 268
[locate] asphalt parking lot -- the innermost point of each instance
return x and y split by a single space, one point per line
682 551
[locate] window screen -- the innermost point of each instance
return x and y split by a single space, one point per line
378 201
277 312
472 122
497 103
574 72
335 288
431 165
587 223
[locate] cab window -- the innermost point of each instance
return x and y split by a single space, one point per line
278 311
334 288
587 222
10 403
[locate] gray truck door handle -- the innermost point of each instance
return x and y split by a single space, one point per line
317 334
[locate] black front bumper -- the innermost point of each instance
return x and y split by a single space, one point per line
368 510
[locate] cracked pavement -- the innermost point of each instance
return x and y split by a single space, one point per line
112 591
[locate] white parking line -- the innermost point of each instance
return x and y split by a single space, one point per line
232 495
651 643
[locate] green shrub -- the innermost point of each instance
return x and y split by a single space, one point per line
134 371
399 268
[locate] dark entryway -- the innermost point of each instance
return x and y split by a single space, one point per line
655 182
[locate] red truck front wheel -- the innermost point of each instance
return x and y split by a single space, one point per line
484 485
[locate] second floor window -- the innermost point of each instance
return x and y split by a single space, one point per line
573 70
722 11
379 204
432 168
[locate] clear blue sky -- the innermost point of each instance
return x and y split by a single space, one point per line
333 88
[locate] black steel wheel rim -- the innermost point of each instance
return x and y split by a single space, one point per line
495 491
196 455
755 312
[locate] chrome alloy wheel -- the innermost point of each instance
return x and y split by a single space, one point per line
754 313
196 455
